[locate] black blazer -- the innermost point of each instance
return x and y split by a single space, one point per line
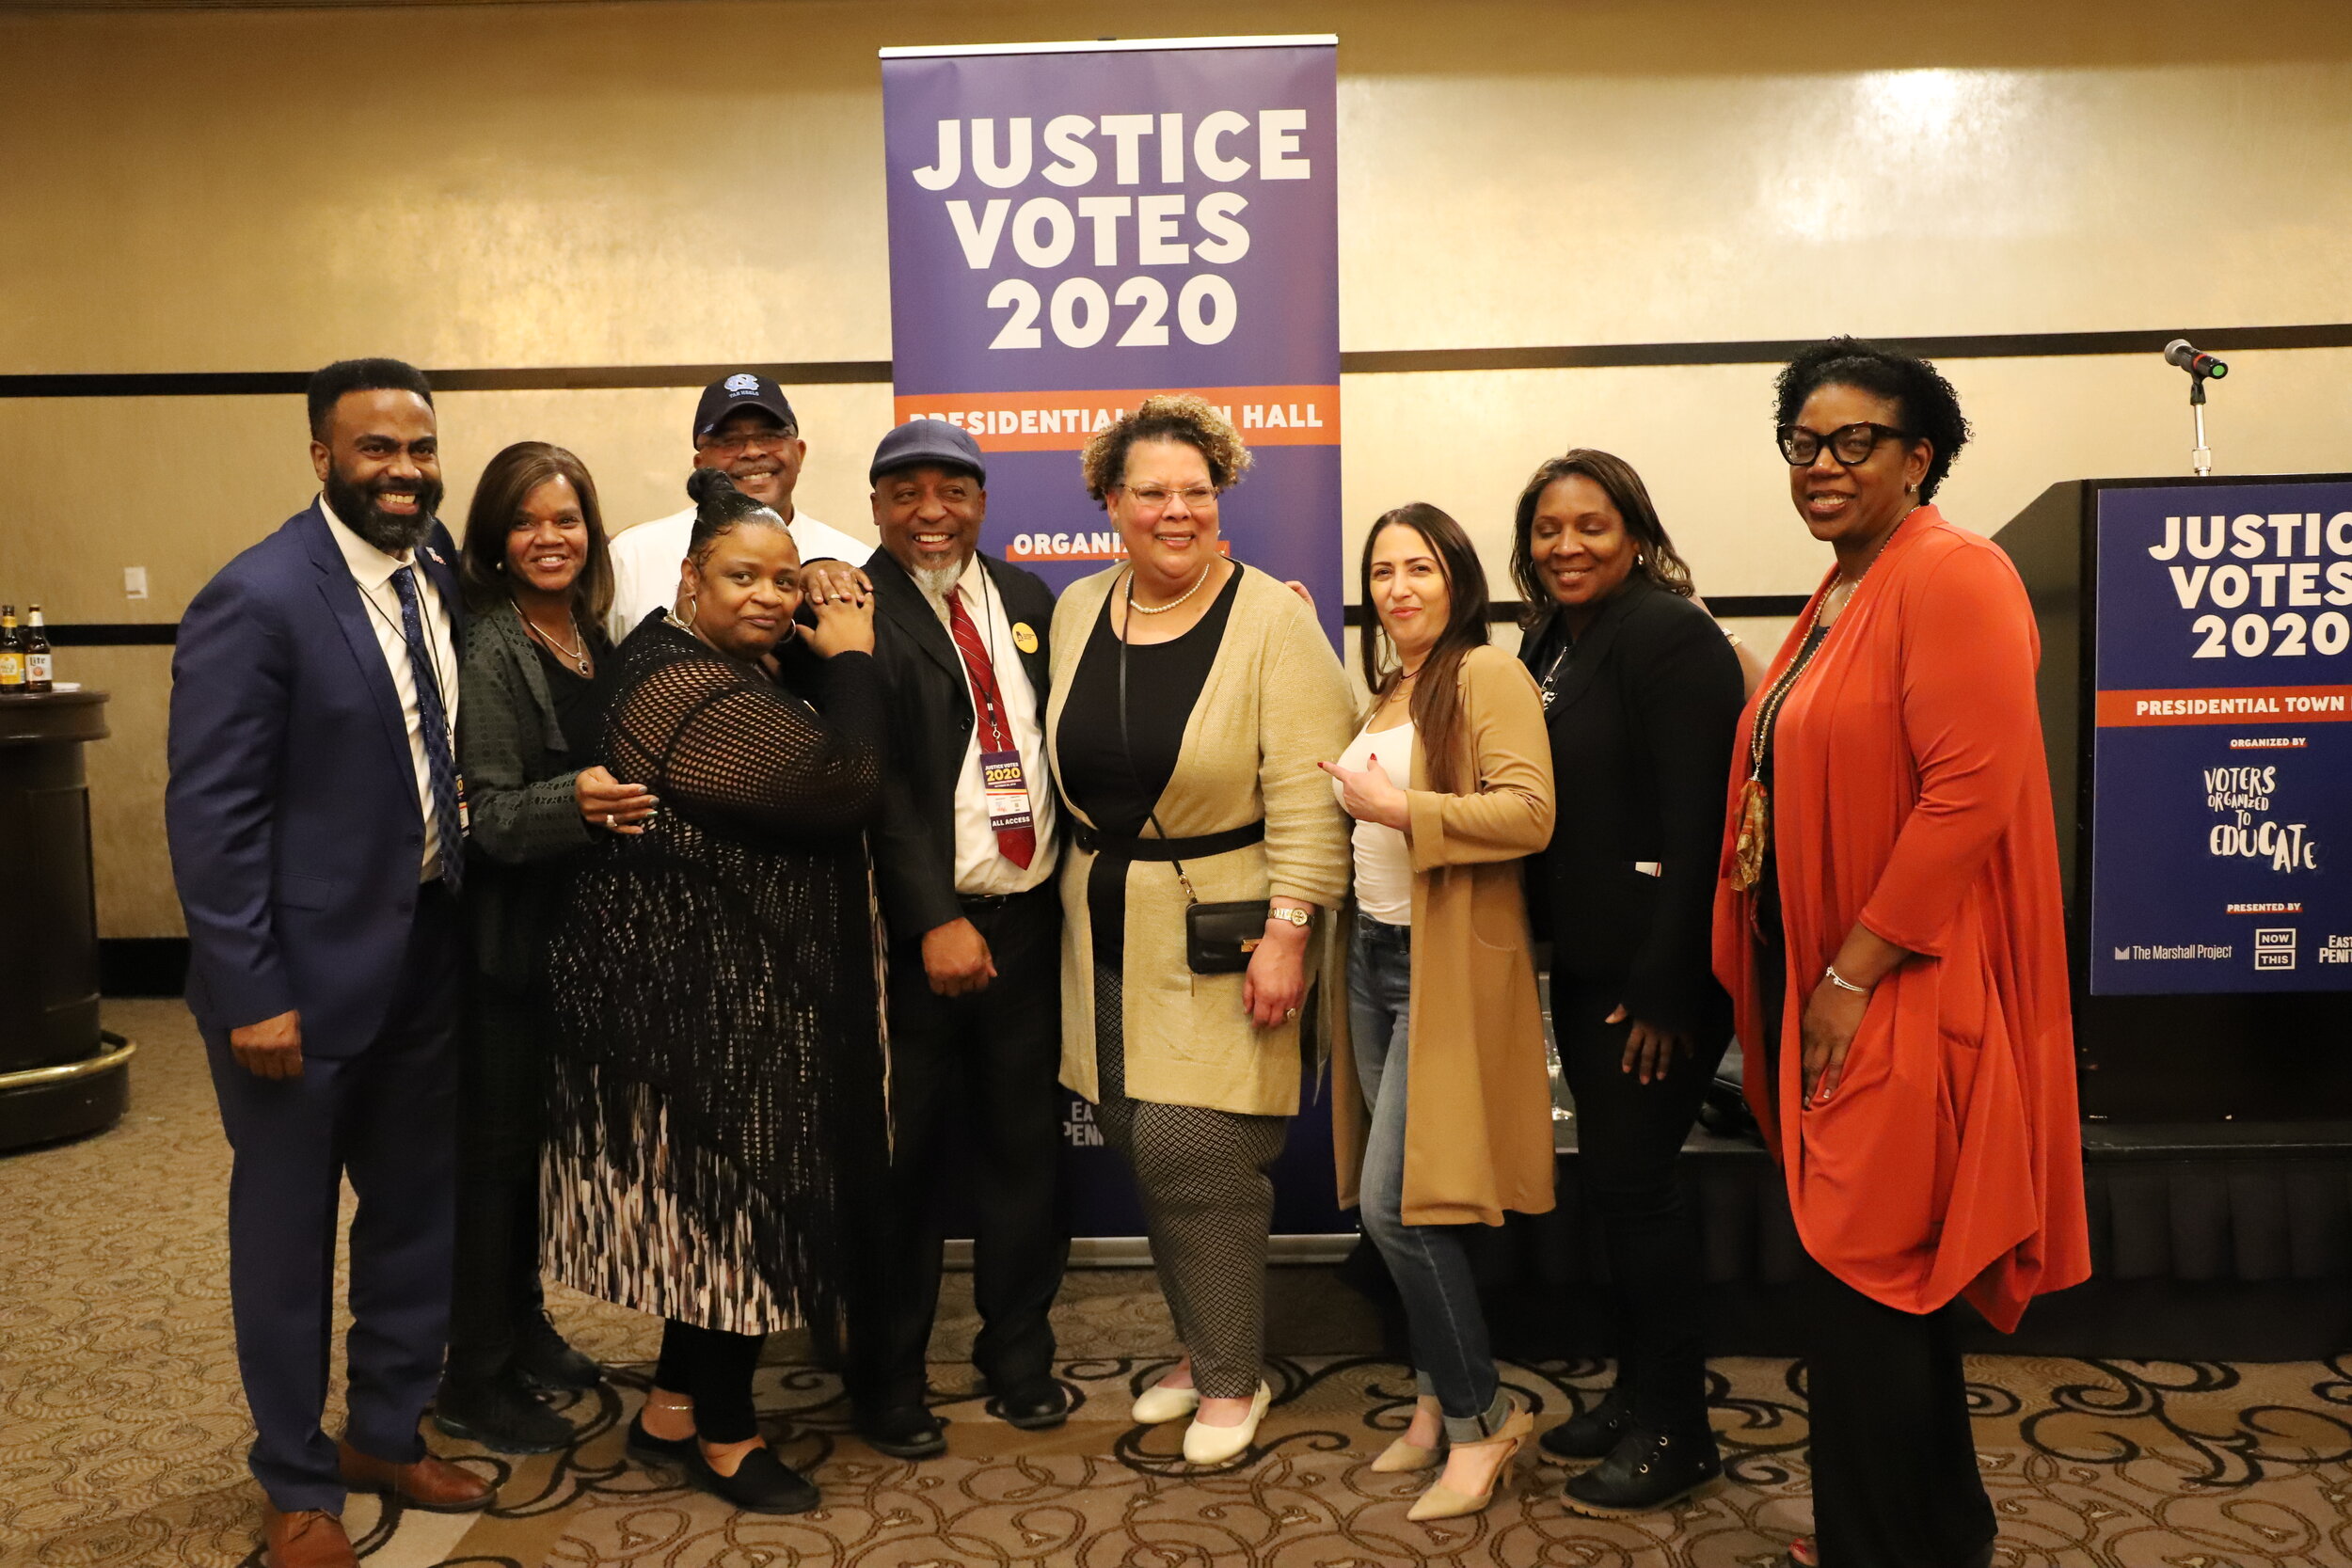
930 726
1642 721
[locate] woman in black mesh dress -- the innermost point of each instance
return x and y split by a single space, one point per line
718 1107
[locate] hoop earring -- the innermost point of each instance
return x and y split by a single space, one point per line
694 605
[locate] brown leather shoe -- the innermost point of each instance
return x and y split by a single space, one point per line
430 1483
307 1538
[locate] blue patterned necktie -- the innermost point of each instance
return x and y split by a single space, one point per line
440 762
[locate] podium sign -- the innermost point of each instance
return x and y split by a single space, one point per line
2222 761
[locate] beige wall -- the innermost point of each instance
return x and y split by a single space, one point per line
697 181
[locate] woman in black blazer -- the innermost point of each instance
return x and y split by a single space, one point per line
1641 692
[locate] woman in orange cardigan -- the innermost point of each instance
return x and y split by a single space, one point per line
1889 927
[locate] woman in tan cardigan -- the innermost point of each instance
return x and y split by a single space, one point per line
1449 784
1205 773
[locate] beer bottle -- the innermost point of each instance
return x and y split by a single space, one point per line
11 654
41 666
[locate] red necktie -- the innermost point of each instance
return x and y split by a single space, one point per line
1019 845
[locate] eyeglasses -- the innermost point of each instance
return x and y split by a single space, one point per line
1848 443
1151 498
736 445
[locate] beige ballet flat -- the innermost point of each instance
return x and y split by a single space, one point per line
1160 1404
1442 1502
1208 1445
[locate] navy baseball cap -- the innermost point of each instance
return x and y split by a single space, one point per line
931 441
743 389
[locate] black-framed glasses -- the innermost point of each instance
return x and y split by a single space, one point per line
1848 443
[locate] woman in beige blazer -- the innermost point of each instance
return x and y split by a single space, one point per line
1205 774
1449 784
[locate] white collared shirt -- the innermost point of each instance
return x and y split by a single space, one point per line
646 560
981 869
372 569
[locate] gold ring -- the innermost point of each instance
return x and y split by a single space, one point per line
1289 1013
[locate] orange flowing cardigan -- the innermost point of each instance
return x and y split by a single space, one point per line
1910 793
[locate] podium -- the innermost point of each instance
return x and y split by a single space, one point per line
2196 694
60 1075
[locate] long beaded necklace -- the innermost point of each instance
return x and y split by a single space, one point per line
1755 838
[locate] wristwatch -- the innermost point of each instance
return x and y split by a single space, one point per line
1296 916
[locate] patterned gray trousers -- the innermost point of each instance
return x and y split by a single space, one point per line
1208 1201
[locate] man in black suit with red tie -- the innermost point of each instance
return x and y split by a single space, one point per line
965 854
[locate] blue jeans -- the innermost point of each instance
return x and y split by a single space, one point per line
1432 1271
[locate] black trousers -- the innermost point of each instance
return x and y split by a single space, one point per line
501 1120
1894 1477
987 1063
1629 1135
386 1118
713 1368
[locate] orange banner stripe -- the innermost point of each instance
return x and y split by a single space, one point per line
1062 421
2243 704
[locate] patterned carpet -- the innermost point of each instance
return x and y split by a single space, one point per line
121 1431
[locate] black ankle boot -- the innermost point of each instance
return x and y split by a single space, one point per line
499 1414
1645 1471
1591 1433
542 1355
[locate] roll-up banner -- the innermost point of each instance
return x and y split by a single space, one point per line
2221 822
1076 225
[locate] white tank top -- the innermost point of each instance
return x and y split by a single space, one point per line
1383 861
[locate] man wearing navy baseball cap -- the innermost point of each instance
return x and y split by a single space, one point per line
964 855
744 425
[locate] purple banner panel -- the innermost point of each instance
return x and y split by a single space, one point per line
2223 767
1074 226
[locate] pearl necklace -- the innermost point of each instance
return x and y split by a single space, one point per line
1163 609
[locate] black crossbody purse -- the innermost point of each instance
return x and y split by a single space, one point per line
1218 938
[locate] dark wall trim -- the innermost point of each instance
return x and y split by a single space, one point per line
821 372
142 966
150 634
116 634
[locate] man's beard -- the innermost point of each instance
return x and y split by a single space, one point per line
937 580
394 535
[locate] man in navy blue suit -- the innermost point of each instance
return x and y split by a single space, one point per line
317 836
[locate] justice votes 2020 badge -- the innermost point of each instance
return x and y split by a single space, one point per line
1024 636
1007 790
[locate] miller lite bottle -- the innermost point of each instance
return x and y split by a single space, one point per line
41 668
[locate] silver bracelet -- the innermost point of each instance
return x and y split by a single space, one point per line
1839 980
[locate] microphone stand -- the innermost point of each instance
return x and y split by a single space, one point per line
2201 458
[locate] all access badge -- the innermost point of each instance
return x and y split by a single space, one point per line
1024 638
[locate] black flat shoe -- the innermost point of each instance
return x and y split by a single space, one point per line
762 1483
542 1355
1645 1472
1591 1433
647 1449
501 1414
906 1432
1032 1406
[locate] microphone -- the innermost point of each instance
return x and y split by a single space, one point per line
2181 351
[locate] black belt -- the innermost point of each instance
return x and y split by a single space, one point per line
998 900
1124 847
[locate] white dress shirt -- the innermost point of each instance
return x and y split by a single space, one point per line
646 560
981 869
372 569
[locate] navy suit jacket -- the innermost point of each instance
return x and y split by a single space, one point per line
292 808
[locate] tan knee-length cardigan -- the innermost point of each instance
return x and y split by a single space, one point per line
1275 704
1478 1125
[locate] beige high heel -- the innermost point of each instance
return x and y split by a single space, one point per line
1442 1502
1405 1455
